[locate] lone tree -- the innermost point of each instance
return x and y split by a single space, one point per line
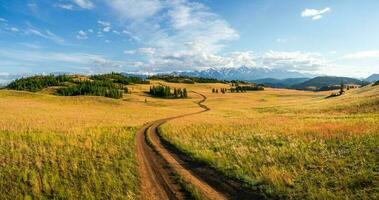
342 87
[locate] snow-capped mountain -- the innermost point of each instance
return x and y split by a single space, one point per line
244 73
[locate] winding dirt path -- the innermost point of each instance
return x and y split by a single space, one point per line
160 164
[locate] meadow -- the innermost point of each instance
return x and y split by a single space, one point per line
288 144
54 147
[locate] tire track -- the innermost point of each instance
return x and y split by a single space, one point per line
159 164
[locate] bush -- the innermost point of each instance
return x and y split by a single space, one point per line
37 83
95 88
376 83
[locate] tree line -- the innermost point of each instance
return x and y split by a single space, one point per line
94 88
166 92
239 89
39 82
119 78
183 79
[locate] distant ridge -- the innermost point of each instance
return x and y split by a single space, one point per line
318 83
373 78
281 83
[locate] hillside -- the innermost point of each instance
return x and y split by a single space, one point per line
325 81
372 78
111 85
281 83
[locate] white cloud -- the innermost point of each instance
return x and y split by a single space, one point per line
82 35
106 29
13 29
363 55
296 61
65 6
104 23
47 35
281 40
129 52
136 9
129 34
315 14
85 4
32 46
3 20
317 17
106 26
76 60
160 60
46 56
147 51
361 63
180 31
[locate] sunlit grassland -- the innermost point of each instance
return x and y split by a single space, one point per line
75 147
289 144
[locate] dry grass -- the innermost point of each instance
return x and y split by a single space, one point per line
74 147
289 144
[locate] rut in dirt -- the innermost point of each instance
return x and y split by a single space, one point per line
161 165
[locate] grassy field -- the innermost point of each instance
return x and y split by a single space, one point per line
75 147
288 144
284 143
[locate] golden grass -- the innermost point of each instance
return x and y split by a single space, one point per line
289 144
75 147
284 143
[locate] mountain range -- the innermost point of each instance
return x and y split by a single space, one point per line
244 73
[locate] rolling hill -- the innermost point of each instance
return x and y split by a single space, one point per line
281 83
325 81
373 78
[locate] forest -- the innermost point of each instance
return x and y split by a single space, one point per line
167 92
39 82
119 78
110 85
184 79
94 88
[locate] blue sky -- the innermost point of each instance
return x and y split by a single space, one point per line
333 37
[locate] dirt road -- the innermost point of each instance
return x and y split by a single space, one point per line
160 165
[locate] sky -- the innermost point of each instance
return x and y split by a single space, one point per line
330 37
